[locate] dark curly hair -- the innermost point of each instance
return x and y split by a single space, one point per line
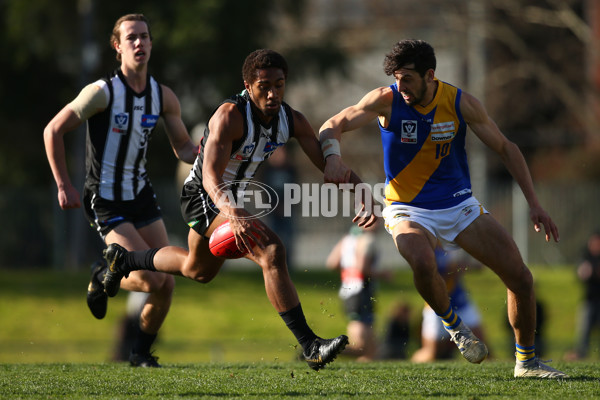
410 51
260 59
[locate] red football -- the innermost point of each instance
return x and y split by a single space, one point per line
222 243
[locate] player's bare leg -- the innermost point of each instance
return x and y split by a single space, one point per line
416 245
486 240
158 285
283 296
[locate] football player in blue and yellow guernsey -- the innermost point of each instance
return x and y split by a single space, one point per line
423 124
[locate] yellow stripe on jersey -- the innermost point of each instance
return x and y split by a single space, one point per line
409 182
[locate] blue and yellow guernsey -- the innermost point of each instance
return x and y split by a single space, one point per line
424 153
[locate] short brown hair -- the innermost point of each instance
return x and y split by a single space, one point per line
116 32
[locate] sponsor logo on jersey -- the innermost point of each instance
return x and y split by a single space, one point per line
466 211
442 131
248 149
271 147
409 131
120 123
149 120
461 192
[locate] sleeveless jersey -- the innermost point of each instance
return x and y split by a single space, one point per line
257 144
424 153
117 138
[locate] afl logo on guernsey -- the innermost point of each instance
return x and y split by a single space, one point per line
149 120
120 123
409 131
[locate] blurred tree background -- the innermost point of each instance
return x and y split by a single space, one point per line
52 49
534 63
198 50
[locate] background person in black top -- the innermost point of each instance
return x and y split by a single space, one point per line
588 272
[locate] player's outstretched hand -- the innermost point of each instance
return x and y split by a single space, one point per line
248 232
366 216
336 171
540 218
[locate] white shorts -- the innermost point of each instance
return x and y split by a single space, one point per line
444 224
433 329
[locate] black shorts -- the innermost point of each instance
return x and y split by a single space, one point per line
359 307
197 208
105 215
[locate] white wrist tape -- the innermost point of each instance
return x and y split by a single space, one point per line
329 147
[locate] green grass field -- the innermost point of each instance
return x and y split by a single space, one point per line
278 380
224 340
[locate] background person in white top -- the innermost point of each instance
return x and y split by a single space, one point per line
356 257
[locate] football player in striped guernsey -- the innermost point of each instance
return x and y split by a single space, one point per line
121 112
241 134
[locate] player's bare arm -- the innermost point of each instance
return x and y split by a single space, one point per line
312 148
306 137
376 103
226 126
64 121
90 101
182 145
488 132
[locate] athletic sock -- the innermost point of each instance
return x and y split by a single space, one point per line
142 342
143 259
524 354
450 319
296 322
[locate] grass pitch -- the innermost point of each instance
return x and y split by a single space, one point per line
44 316
225 341
268 380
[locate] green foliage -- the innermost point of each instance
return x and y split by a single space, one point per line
198 50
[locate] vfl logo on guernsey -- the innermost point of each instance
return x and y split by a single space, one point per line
149 120
120 123
442 131
409 131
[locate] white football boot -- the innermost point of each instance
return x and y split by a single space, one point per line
472 349
537 369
